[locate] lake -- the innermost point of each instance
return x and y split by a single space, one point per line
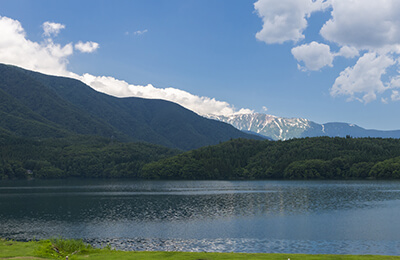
324 217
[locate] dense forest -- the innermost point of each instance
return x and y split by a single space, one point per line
78 156
97 157
308 158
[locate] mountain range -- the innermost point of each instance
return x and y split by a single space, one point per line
40 106
56 127
278 128
35 105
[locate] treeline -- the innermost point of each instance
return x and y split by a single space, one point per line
78 156
97 157
308 158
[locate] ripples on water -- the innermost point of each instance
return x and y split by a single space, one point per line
239 216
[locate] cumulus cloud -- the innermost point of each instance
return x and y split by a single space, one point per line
86 47
51 58
367 27
120 88
395 95
314 55
371 26
364 24
285 20
395 82
15 49
364 78
348 52
52 28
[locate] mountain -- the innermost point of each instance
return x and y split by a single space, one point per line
279 128
276 128
38 105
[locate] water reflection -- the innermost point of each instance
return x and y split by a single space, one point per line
287 212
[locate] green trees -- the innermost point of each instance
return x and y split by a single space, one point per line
308 158
96 157
308 169
78 156
387 169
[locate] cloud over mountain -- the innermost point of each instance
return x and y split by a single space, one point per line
120 88
52 58
47 56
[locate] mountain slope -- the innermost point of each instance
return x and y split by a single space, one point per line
75 107
279 128
37 103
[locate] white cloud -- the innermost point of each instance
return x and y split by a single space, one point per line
372 26
364 24
314 55
348 52
86 47
395 95
285 20
364 78
140 32
137 33
120 88
51 58
15 49
395 82
52 28
369 27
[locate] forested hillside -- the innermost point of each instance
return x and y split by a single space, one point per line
52 127
309 158
77 156
38 105
96 157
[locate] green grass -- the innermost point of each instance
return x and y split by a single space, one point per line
76 249
12 249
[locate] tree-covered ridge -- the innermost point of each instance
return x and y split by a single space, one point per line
77 156
309 158
37 105
96 157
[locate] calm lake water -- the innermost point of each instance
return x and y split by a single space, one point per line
341 217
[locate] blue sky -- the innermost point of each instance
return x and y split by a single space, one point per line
207 55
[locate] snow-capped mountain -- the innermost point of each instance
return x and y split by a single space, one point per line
279 128
274 127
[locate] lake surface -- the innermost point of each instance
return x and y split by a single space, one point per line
340 217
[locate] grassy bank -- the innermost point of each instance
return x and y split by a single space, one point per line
59 248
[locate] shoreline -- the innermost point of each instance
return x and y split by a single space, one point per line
75 249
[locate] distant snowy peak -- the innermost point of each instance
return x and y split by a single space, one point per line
279 128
